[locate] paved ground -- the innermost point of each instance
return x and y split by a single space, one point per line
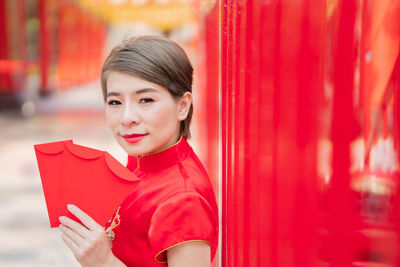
25 234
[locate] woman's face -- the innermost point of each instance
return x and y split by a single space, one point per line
143 116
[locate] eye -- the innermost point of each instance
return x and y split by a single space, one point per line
113 102
146 100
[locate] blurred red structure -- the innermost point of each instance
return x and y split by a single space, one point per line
12 48
80 61
56 40
308 131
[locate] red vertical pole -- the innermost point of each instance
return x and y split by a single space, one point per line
44 45
61 45
228 222
251 102
308 80
365 66
341 249
3 42
274 92
211 91
80 51
3 30
396 112
226 244
396 138
91 49
22 36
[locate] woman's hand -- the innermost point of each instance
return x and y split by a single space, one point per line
88 242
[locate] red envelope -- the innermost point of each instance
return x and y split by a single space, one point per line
49 168
88 178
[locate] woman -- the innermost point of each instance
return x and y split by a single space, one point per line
171 217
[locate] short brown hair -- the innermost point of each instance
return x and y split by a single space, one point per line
155 59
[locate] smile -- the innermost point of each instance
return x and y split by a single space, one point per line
134 138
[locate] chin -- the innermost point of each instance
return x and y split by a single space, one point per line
133 151
136 149
133 154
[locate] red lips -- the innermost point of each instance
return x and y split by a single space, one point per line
133 138
133 135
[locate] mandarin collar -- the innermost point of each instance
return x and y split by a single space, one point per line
160 160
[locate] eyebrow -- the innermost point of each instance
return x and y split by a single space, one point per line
146 90
138 92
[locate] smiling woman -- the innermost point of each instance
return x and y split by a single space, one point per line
138 110
171 217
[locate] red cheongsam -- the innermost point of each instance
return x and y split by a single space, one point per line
172 203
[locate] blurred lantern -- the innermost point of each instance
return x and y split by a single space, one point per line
140 2
117 2
162 14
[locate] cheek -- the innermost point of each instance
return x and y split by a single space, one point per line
164 117
160 120
112 118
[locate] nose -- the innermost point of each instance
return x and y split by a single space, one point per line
130 115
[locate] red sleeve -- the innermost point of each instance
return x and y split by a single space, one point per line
182 217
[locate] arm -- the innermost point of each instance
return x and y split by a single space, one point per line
193 253
88 242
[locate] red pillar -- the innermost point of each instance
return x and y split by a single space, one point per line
3 30
3 45
341 203
44 45
272 79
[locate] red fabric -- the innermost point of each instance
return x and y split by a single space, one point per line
89 178
172 203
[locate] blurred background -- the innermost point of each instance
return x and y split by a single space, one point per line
51 55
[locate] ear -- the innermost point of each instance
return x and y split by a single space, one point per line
183 105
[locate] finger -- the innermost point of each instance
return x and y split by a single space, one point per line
71 244
77 239
75 226
83 217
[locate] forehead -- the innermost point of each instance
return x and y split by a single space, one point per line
125 83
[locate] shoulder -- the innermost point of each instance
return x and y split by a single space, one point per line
187 175
193 174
